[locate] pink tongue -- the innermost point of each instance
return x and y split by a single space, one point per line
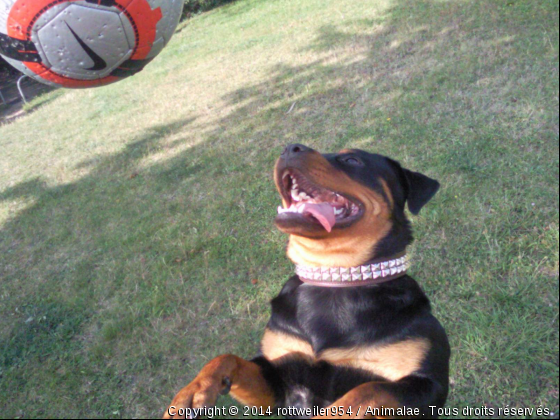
323 212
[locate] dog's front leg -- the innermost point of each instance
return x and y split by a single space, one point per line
374 400
226 373
360 402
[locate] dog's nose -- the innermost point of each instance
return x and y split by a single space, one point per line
293 149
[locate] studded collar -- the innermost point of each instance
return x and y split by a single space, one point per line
373 272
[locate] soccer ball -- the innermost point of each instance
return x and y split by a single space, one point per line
85 43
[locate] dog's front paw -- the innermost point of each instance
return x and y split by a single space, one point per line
200 393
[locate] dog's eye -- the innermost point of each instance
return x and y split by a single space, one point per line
351 160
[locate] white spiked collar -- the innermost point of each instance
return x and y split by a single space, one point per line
373 272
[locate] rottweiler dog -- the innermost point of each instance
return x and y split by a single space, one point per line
351 335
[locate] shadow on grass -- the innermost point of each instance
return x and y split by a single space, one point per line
120 251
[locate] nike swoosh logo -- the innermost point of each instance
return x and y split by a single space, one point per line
98 62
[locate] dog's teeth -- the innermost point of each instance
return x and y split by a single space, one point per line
303 196
295 195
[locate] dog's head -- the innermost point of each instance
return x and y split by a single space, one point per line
345 208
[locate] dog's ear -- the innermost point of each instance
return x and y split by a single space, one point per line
418 188
421 189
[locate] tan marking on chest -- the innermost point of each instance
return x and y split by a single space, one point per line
275 345
391 361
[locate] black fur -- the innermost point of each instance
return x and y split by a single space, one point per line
349 317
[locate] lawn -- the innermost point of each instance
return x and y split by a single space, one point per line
136 234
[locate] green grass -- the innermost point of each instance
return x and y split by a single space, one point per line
134 217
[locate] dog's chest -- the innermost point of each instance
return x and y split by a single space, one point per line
390 361
341 329
321 318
